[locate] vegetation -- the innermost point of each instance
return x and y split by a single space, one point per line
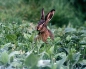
18 50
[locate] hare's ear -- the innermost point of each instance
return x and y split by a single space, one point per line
42 14
49 15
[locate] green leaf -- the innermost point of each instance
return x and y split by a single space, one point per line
68 37
52 50
76 57
11 37
31 37
69 30
31 60
84 68
83 62
4 57
15 64
26 36
60 63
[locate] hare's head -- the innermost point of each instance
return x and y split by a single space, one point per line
42 25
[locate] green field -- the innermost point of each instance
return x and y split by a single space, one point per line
18 20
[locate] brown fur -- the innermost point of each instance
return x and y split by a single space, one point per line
44 35
44 32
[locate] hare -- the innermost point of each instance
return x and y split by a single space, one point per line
43 31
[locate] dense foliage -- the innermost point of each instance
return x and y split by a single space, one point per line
18 50
68 11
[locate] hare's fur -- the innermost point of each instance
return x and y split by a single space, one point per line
44 32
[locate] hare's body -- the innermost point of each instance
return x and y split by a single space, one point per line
44 35
44 32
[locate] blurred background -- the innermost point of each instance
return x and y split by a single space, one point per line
67 11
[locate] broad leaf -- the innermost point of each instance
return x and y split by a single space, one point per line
4 58
31 60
